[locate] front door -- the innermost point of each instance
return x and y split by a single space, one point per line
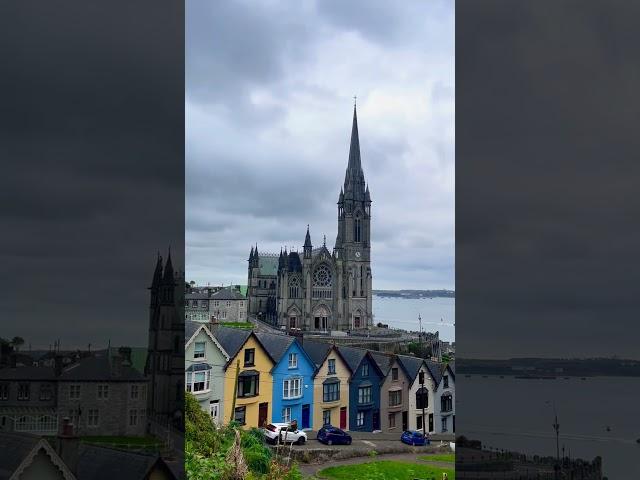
405 421
306 409
431 422
263 412
343 417
214 410
376 420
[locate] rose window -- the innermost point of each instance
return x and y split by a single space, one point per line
322 276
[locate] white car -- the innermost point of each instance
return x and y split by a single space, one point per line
282 432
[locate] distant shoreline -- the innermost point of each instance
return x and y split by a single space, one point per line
413 294
549 368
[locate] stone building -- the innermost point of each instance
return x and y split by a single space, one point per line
219 305
321 290
165 360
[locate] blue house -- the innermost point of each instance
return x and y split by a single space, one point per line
364 389
292 377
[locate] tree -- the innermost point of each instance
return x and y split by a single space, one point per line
17 342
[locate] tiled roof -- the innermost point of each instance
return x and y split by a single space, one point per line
196 296
101 463
268 264
411 365
384 361
317 351
98 368
27 373
353 356
14 448
190 328
435 369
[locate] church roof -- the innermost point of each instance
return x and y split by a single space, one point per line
295 265
268 264
227 293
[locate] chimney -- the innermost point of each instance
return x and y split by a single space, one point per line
57 365
67 445
125 354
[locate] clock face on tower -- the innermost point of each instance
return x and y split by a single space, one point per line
357 254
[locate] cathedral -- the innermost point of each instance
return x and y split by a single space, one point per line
321 290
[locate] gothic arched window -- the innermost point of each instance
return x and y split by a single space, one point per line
357 229
322 282
294 287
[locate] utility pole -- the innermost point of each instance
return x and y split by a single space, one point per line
556 427
235 391
424 419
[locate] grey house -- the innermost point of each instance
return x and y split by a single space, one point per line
394 394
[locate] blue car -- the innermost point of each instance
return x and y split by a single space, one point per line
333 436
413 437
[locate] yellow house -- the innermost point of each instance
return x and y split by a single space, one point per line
252 365
330 385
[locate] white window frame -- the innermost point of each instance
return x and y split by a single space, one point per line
134 392
133 417
93 417
286 415
360 419
292 388
228 303
293 360
103 391
75 392
196 352
190 381
365 370
444 424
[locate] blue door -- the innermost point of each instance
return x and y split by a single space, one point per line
306 410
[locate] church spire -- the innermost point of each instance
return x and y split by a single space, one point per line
354 148
354 177
307 244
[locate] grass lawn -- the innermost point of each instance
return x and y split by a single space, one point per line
448 457
247 325
387 470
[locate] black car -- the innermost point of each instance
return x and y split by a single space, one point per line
333 436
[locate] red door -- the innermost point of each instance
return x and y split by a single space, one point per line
343 417
263 412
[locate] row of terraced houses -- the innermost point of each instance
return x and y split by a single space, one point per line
280 378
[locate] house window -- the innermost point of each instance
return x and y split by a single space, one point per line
74 392
240 415
392 420
45 392
198 350
24 391
103 391
365 370
444 424
364 395
223 314
134 392
332 366
419 422
422 398
394 374
421 378
92 417
331 392
360 419
286 415
133 417
293 360
216 303
248 385
445 381
249 357
395 398
198 381
446 403
242 304
228 303
326 417
143 392
292 388
4 391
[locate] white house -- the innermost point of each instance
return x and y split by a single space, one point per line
445 406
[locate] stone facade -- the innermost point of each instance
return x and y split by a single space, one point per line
321 290
221 305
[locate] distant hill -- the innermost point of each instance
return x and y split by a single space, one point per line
415 293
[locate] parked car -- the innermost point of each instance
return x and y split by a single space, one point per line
291 434
413 437
333 436
272 431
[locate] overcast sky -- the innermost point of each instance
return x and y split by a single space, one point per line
269 100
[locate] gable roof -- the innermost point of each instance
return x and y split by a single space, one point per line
98 368
354 356
317 351
192 329
103 463
452 367
227 293
18 450
435 369
275 345
384 361
231 339
411 365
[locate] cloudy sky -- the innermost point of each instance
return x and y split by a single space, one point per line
269 100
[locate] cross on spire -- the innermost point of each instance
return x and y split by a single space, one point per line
355 98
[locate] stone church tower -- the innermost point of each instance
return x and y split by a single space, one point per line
353 243
320 290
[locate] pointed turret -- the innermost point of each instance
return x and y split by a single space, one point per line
168 270
157 274
251 254
341 197
307 244
354 177
367 195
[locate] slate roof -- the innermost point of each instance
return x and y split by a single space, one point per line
98 368
27 373
196 296
268 264
295 265
14 448
227 294
384 361
435 369
275 344
231 339
102 463
452 366
190 328
411 365
353 356
317 351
